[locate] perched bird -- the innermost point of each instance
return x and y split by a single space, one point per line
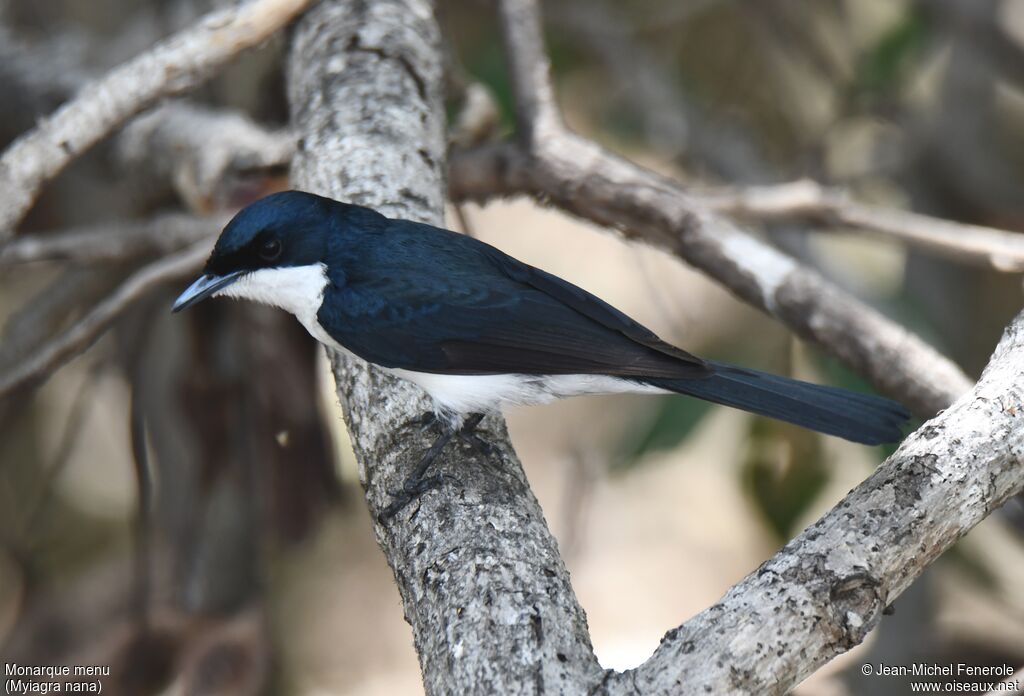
476 328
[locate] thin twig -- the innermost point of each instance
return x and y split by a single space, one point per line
464 223
173 66
537 114
142 558
111 241
84 332
808 200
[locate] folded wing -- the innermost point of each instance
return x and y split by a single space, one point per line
476 310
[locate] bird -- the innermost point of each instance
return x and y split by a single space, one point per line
477 329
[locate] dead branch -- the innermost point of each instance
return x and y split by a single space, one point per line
207 154
84 332
111 241
482 584
173 66
807 200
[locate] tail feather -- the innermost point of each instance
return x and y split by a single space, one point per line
863 418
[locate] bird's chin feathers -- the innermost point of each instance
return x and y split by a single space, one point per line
295 289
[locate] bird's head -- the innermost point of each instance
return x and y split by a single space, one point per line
273 251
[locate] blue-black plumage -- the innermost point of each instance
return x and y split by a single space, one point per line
477 328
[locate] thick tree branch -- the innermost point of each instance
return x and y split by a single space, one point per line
482 583
827 588
84 332
173 66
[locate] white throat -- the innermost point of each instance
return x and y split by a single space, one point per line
295 289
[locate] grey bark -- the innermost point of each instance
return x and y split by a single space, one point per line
827 588
482 583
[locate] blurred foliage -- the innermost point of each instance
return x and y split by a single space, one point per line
672 422
488 66
783 473
884 67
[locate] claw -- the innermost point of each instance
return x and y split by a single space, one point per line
424 422
411 490
418 482
476 443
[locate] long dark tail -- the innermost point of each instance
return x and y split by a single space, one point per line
863 418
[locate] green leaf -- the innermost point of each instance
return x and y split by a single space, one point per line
883 67
784 472
673 421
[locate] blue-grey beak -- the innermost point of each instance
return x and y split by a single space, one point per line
203 287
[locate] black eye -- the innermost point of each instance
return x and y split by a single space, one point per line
270 250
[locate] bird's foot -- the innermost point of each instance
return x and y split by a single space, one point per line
480 446
418 482
425 421
411 490
467 433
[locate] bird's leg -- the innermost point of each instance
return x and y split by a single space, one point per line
424 421
418 483
467 433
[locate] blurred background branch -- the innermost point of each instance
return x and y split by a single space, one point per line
810 202
83 332
111 242
174 66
